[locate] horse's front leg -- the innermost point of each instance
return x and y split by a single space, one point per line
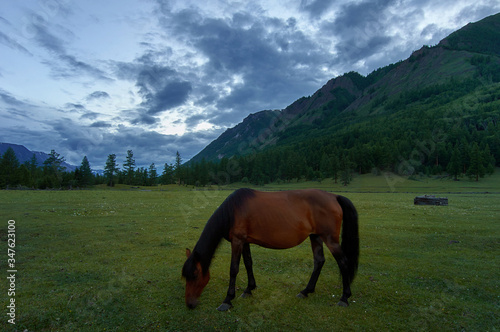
236 249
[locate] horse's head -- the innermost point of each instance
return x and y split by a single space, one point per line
196 280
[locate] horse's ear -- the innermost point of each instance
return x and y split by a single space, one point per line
188 252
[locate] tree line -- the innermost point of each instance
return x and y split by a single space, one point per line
455 154
52 174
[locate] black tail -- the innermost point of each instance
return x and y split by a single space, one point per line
350 235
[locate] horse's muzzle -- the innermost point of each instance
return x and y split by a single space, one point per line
191 304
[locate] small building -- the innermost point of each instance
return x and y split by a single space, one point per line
430 200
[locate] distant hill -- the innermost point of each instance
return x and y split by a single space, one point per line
24 155
463 68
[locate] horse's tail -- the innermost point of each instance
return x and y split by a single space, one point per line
350 235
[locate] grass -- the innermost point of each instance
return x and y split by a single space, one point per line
110 260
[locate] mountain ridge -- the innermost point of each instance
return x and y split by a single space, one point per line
23 155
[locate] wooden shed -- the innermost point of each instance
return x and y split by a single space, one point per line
430 200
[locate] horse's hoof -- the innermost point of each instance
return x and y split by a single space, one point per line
224 307
245 295
301 296
343 304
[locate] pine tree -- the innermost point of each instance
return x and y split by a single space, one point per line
86 177
128 167
345 171
33 171
476 168
178 167
153 174
110 169
455 165
167 176
9 166
53 169
335 167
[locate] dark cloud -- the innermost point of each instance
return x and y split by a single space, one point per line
272 60
97 95
316 8
100 124
90 115
361 30
144 119
164 97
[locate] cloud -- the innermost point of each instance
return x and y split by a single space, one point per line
89 115
6 40
316 8
64 65
252 62
164 96
101 124
9 99
97 95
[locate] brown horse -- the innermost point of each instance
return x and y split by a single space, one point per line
276 220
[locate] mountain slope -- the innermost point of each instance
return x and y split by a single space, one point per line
24 155
451 70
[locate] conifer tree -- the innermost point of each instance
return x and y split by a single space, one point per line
129 166
9 166
110 169
86 177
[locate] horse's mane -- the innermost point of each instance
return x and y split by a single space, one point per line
219 226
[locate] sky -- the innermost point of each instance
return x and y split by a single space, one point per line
94 78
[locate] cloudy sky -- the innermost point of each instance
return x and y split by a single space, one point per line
99 77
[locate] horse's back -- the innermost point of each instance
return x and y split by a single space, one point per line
285 219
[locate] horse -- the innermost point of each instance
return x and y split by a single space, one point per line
276 220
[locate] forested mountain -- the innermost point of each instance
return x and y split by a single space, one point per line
408 117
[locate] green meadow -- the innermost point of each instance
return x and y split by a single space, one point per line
110 260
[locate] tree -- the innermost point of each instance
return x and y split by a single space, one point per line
9 165
110 169
53 170
153 174
325 166
129 166
345 171
335 167
86 177
167 177
455 165
476 168
33 171
178 167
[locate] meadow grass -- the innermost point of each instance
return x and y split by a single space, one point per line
110 259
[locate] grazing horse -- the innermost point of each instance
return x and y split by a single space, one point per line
276 220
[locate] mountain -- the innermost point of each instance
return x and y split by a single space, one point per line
24 155
461 66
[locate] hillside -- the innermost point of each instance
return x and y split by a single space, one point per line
452 85
24 155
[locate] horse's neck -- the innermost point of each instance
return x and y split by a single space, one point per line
208 243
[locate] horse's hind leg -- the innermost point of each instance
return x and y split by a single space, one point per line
247 259
319 261
341 259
